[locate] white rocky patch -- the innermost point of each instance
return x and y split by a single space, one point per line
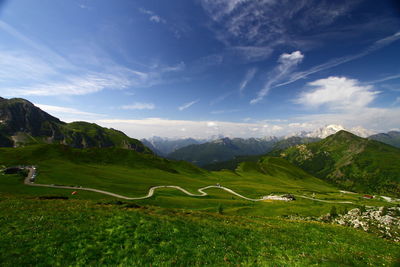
381 220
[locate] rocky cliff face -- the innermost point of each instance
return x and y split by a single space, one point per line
19 115
22 123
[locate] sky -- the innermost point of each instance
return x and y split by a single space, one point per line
202 68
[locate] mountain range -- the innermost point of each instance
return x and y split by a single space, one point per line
222 150
22 123
163 146
330 129
225 149
391 138
349 161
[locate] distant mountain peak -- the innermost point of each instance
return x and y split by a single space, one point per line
344 134
330 129
223 141
326 131
391 138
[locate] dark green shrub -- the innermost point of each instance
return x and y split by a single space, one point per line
333 212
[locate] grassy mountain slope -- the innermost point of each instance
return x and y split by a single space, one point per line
114 169
129 173
22 123
350 161
230 164
281 175
278 145
391 138
294 140
85 233
221 150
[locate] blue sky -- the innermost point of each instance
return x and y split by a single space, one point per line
199 68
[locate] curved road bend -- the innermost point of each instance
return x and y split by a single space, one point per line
29 180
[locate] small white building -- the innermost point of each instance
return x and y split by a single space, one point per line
281 198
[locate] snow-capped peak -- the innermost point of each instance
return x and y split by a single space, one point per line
362 132
330 129
326 131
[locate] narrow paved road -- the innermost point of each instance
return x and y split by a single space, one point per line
30 179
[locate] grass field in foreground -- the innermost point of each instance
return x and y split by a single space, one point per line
81 233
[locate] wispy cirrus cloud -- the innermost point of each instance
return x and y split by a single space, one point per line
139 106
188 105
286 64
221 98
248 78
387 78
338 61
71 85
40 71
224 111
265 22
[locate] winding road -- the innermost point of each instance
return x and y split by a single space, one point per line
30 179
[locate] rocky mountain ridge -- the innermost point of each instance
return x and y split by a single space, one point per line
352 162
22 123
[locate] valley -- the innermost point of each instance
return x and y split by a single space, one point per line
276 199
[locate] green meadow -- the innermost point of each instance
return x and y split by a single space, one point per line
82 233
172 228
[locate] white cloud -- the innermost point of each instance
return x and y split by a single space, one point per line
140 106
212 124
188 105
291 59
376 119
248 78
153 17
287 62
64 110
68 114
337 93
142 128
346 102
